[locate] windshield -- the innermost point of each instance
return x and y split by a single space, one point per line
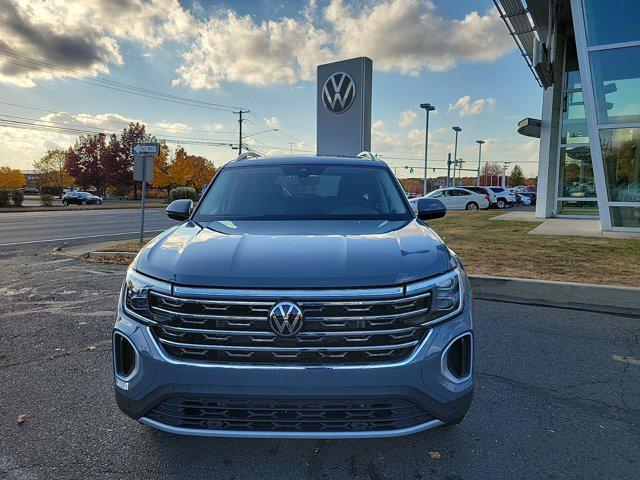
310 192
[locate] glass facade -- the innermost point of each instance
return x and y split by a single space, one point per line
621 156
611 21
616 83
625 216
576 194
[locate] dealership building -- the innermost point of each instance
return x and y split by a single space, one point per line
585 54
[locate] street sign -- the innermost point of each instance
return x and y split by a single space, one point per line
144 155
149 149
141 162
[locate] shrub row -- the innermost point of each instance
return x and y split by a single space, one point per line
183 192
9 197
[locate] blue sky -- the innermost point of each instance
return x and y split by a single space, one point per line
261 55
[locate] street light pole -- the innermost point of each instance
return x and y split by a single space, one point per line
455 154
429 108
479 142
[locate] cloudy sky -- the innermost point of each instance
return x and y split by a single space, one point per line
182 66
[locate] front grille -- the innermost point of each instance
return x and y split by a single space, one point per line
334 332
288 415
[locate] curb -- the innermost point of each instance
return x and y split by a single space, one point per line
76 208
606 299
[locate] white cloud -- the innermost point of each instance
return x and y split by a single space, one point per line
81 36
273 122
377 124
409 36
406 36
407 118
384 141
102 121
172 126
529 146
415 134
237 49
465 106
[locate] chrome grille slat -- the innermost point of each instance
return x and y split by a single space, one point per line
287 349
336 330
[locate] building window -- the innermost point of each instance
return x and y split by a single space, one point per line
625 216
616 84
578 207
576 173
574 119
621 156
611 21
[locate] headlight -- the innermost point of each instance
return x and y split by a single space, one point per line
135 294
447 296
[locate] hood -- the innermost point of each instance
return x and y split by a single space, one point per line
291 254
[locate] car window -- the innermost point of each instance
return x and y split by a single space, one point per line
314 192
437 194
497 190
461 193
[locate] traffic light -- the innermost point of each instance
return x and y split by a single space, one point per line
411 170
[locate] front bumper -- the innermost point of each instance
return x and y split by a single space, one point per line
419 380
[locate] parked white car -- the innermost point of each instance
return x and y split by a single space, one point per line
504 198
456 198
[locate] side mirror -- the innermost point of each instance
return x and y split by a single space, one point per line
179 209
430 208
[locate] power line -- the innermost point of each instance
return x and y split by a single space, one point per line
116 86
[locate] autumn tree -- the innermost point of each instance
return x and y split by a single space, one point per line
179 170
516 177
161 167
51 171
86 161
11 178
489 173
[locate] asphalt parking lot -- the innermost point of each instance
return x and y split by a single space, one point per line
557 396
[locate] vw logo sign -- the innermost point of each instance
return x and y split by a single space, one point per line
338 92
285 319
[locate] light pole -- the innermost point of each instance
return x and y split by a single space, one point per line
455 154
479 142
429 108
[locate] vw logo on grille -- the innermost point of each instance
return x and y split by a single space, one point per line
338 92
285 319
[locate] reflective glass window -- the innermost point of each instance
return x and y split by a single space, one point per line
611 21
574 119
578 207
616 83
621 156
625 216
576 173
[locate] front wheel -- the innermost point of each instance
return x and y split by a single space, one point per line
472 206
501 203
65 203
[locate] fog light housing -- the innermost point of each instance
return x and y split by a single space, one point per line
125 357
457 359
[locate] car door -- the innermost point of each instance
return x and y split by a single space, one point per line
444 197
459 199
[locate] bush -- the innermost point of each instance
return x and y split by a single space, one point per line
17 197
46 200
4 197
183 192
51 190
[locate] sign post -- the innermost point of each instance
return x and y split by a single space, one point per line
144 155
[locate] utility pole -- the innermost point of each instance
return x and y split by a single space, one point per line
460 162
240 112
429 108
455 154
448 168
479 142
504 174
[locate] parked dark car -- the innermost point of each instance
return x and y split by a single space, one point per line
81 198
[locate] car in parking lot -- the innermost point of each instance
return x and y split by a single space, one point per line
493 199
81 198
300 298
456 198
504 198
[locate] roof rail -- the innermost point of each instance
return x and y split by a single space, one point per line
366 154
245 155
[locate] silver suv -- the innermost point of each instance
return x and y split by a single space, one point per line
301 297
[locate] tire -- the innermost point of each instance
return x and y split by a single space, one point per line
65 203
84 202
472 206
455 421
501 203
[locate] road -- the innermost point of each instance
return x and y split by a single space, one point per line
557 396
55 227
